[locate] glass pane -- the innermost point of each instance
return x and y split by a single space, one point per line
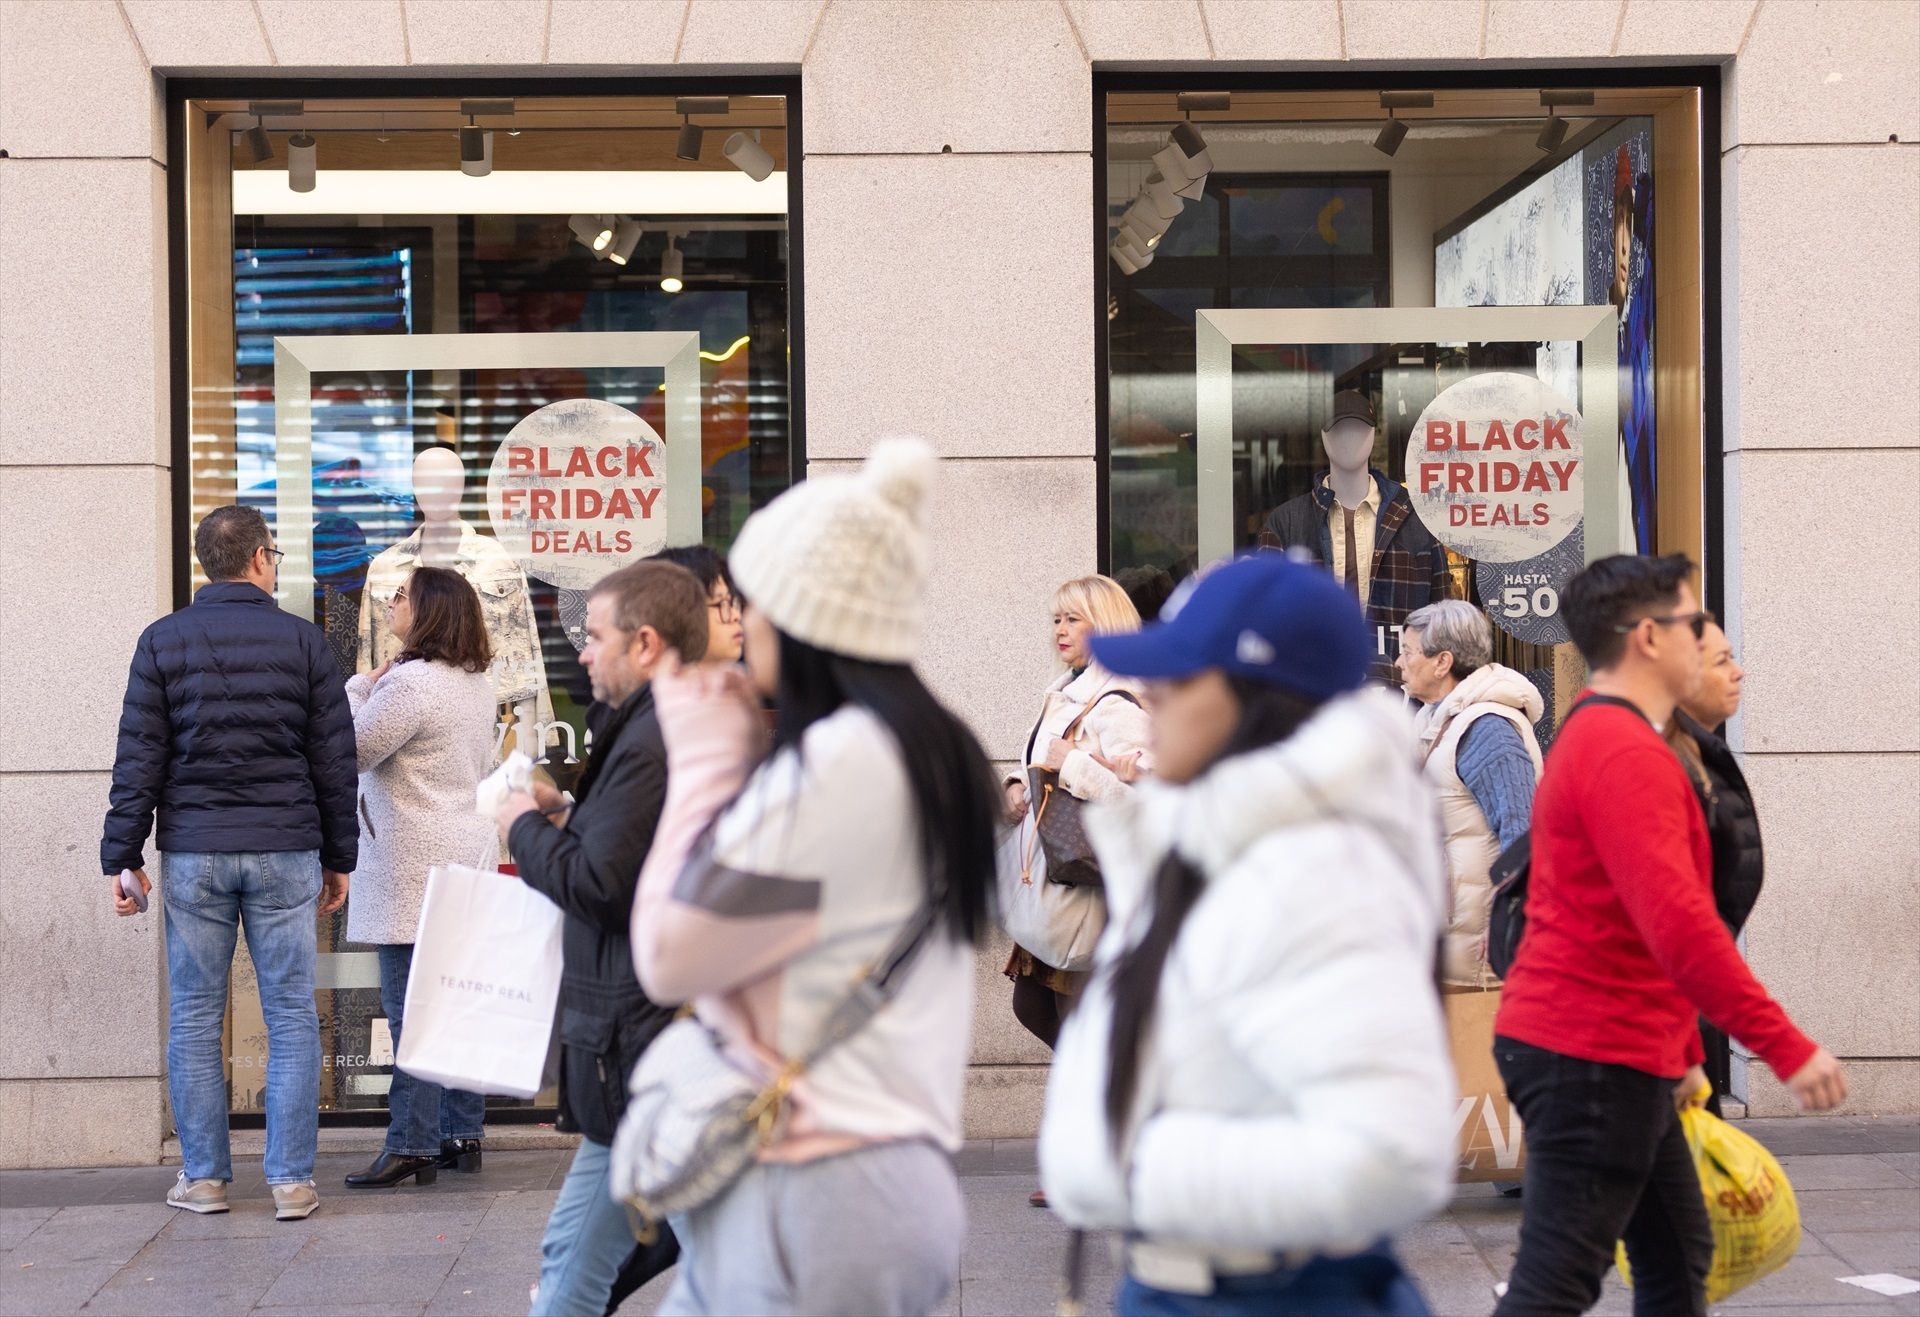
1303 205
532 367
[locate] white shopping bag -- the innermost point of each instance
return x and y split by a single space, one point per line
485 980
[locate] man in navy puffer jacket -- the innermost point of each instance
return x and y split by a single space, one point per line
236 731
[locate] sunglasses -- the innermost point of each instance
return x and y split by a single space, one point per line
1694 622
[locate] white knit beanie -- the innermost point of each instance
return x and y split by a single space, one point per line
838 561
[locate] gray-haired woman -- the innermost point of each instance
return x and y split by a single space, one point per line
1482 758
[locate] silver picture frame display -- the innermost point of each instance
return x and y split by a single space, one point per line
1595 328
298 358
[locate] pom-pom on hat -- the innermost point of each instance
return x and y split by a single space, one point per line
838 561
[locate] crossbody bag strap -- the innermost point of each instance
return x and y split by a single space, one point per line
1073 728
875 989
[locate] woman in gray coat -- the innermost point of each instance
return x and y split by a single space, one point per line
423 726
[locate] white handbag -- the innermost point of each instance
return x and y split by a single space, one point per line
484 984
1060 925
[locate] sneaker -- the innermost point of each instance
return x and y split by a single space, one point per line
203 1196
294 1202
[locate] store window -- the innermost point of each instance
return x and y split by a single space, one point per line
1473 318
531 339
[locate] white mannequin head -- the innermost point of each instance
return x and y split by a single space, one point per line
1349 443
439 479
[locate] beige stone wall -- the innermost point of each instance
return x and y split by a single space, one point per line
950 284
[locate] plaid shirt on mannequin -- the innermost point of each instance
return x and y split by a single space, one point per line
1409 565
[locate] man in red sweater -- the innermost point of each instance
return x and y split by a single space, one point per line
1597 1037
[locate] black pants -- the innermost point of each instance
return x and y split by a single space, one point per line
1606 1161
1718 1064
642 1265
1039 1008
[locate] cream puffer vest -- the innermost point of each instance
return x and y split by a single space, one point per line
1492 691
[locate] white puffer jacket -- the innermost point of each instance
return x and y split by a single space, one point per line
1295 1090
1492 691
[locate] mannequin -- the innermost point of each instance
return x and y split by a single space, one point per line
1397 566
443 539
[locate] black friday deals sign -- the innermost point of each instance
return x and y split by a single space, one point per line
1495 467
577 489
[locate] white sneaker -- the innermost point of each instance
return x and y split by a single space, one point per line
294 1202
203 1196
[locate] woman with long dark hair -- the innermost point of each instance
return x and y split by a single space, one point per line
1255 1085
423 723
872 815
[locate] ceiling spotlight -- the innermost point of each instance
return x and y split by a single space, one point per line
302 162
476 151
626 236
671 266
748 156
1392 133
1552 133
1147 227
595 232
1129 254
1158 193
688 146
1184 161
259 145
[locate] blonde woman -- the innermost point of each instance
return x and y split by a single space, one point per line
1092 732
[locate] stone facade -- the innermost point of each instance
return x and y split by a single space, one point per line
909 106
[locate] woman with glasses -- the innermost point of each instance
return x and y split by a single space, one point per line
725 634
423 726
1733 825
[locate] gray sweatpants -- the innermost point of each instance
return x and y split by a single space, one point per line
877 1231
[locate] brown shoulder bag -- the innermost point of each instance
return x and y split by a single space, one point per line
1056 816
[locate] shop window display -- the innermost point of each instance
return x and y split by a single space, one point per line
529 355
1247 228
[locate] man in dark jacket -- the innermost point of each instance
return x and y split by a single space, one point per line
236 731
585 857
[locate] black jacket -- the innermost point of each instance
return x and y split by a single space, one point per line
1733 828
590 869
236 730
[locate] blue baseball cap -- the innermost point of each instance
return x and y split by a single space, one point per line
1263 617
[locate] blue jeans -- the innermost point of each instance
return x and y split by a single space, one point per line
208 897
1369 1285
588 1237
420 1115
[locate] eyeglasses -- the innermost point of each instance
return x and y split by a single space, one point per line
1696 622
399 594
728 608
278 555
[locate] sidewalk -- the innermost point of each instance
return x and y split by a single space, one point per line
102 1241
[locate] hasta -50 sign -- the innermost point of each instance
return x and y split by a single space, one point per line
1495 469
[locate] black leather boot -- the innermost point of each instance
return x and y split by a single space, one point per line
460 1155
390 1168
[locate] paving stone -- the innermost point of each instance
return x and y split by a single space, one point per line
196 1276
1828 1171
392 1282
441 1232
1014 1298
16 1223
485 1293
1860 1209
1805 1281
113 1233
1870 1251
1907 1163
42 1289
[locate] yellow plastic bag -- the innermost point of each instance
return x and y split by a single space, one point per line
1756 1222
